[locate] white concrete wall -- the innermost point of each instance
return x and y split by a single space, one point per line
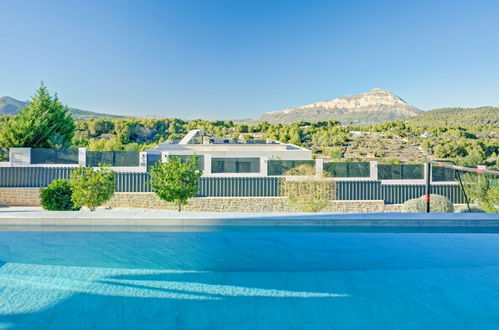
20 156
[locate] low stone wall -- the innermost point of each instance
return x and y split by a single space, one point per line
31 197
20 196
394 208
234 204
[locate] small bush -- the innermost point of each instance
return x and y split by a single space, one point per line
301 170
92 188
438 204
474 209
309 194
57 196
413 206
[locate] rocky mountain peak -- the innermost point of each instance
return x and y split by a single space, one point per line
364 108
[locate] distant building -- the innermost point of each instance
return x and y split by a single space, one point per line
222 156
426 135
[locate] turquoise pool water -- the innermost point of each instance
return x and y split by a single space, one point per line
255 279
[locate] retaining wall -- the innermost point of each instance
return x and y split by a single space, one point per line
20 196
236 204
31 197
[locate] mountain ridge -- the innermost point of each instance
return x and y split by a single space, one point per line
12 106
371 107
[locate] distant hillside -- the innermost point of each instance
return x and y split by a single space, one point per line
11 106
372 107
457 117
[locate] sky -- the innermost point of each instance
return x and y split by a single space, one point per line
239 59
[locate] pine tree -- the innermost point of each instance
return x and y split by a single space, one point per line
43 123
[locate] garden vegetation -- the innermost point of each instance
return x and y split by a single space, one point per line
176 181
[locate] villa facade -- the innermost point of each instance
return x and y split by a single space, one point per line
228 157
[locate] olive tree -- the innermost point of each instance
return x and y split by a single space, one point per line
92 188
305 191
175 180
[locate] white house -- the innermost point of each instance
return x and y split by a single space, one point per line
229 157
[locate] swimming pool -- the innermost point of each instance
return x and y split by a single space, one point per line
249 279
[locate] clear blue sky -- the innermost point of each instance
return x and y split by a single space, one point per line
238 59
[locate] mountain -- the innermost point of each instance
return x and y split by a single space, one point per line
457 117
375 106
11 106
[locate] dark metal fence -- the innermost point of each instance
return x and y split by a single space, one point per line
239 187
394 193
400 171
236 186
348 170
113 158
442 174
137 182
31 176
279 167
54 156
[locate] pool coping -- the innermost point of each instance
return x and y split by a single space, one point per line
158 218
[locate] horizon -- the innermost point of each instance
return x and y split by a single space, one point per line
240 60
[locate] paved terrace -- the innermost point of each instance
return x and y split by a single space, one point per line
136 219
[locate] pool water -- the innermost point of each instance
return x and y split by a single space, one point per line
237 279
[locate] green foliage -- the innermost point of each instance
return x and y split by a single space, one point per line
391 161
301 170
92 188
43 123
438 204
465 209
309 194
457 117
336 152
57 196
176 181
414 205
482 190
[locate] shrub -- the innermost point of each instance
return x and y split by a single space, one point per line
438 204
412 206
92 188
57 196
301 170
308 195
482 190
474 209
176 181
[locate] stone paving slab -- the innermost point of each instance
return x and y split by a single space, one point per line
156 218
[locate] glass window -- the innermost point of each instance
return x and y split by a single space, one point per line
235 165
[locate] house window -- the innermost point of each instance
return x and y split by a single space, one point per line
235 165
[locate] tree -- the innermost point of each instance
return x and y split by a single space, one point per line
307 193
176 181
43 123
483 190
92 188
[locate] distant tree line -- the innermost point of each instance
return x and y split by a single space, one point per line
46 123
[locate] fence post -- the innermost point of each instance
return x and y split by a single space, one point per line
428 186
373 170
82 157
263 166
319 167
20 156
143 159
207 165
